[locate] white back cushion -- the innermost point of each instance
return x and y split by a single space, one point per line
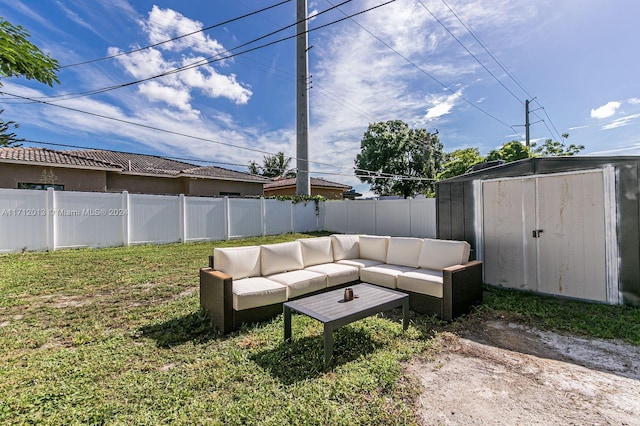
345 246
281 257
374 248
438 254
239 262
316 251
404 251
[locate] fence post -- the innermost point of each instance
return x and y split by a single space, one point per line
263 214
51 219
227 221
410 216
346 214
183 218
125 218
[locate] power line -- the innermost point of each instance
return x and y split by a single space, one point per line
212 59
429 75
178 37
469 52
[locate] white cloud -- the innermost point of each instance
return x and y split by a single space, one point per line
606 110
443 106
634 101
620 122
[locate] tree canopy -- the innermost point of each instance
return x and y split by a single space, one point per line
19 57
459 162
397 160
273 166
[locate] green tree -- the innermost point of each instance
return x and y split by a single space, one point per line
273 166
397 160
511 151
459 161
551 148
8 138
20 58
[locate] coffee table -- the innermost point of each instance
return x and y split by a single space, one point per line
333 311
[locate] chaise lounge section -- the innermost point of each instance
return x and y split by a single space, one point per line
250 284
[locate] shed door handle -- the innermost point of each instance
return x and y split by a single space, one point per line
537 232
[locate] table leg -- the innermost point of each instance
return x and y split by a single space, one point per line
405 314
286 312
328 344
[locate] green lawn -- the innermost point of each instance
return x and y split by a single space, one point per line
115 336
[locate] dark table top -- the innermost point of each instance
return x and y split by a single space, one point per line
331 306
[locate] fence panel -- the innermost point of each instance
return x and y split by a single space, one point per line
24 219
88 219
305 217
277 217
361 217
423 218
393 217
335 216
154 219
245 217
204 219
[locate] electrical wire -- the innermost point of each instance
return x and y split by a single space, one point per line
178 37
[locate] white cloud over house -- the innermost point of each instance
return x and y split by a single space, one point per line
607 110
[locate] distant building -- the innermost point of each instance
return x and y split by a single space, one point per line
110 171
328 189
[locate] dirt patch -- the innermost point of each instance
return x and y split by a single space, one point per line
506 374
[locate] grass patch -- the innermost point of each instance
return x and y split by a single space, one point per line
116 336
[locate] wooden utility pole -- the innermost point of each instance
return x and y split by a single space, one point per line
527 139
303 186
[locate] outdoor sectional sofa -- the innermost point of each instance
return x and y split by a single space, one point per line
250 284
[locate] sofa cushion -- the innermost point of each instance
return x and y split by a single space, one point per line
438 254
383 275
316 251
280 257
373 247
424 281
404 251
239 262
359 263
345 246
254 292
300 282
336 273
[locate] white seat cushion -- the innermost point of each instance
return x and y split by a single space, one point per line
280 257
316 251
404 251
438 254
424 281
383 275
300 282
373 247
239 262
345 246
336 273
359 263
253 292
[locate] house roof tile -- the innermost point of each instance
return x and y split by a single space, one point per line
50 156
318 182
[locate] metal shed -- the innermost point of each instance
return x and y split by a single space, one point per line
568 226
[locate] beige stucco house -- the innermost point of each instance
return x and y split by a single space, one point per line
111 171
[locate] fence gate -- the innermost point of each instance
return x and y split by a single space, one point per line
548 234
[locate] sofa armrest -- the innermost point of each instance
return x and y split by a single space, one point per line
462 288
216 298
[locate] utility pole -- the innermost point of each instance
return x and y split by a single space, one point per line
527 138
303 186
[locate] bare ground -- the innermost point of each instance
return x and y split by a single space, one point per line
500 373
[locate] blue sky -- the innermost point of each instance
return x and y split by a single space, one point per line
577 58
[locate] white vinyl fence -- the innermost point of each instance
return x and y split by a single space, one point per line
49 220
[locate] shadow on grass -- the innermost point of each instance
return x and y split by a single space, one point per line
194 327
303 357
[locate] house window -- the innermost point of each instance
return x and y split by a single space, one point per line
41 186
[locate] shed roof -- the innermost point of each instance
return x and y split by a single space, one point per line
315 182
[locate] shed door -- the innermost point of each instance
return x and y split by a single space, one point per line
547 234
